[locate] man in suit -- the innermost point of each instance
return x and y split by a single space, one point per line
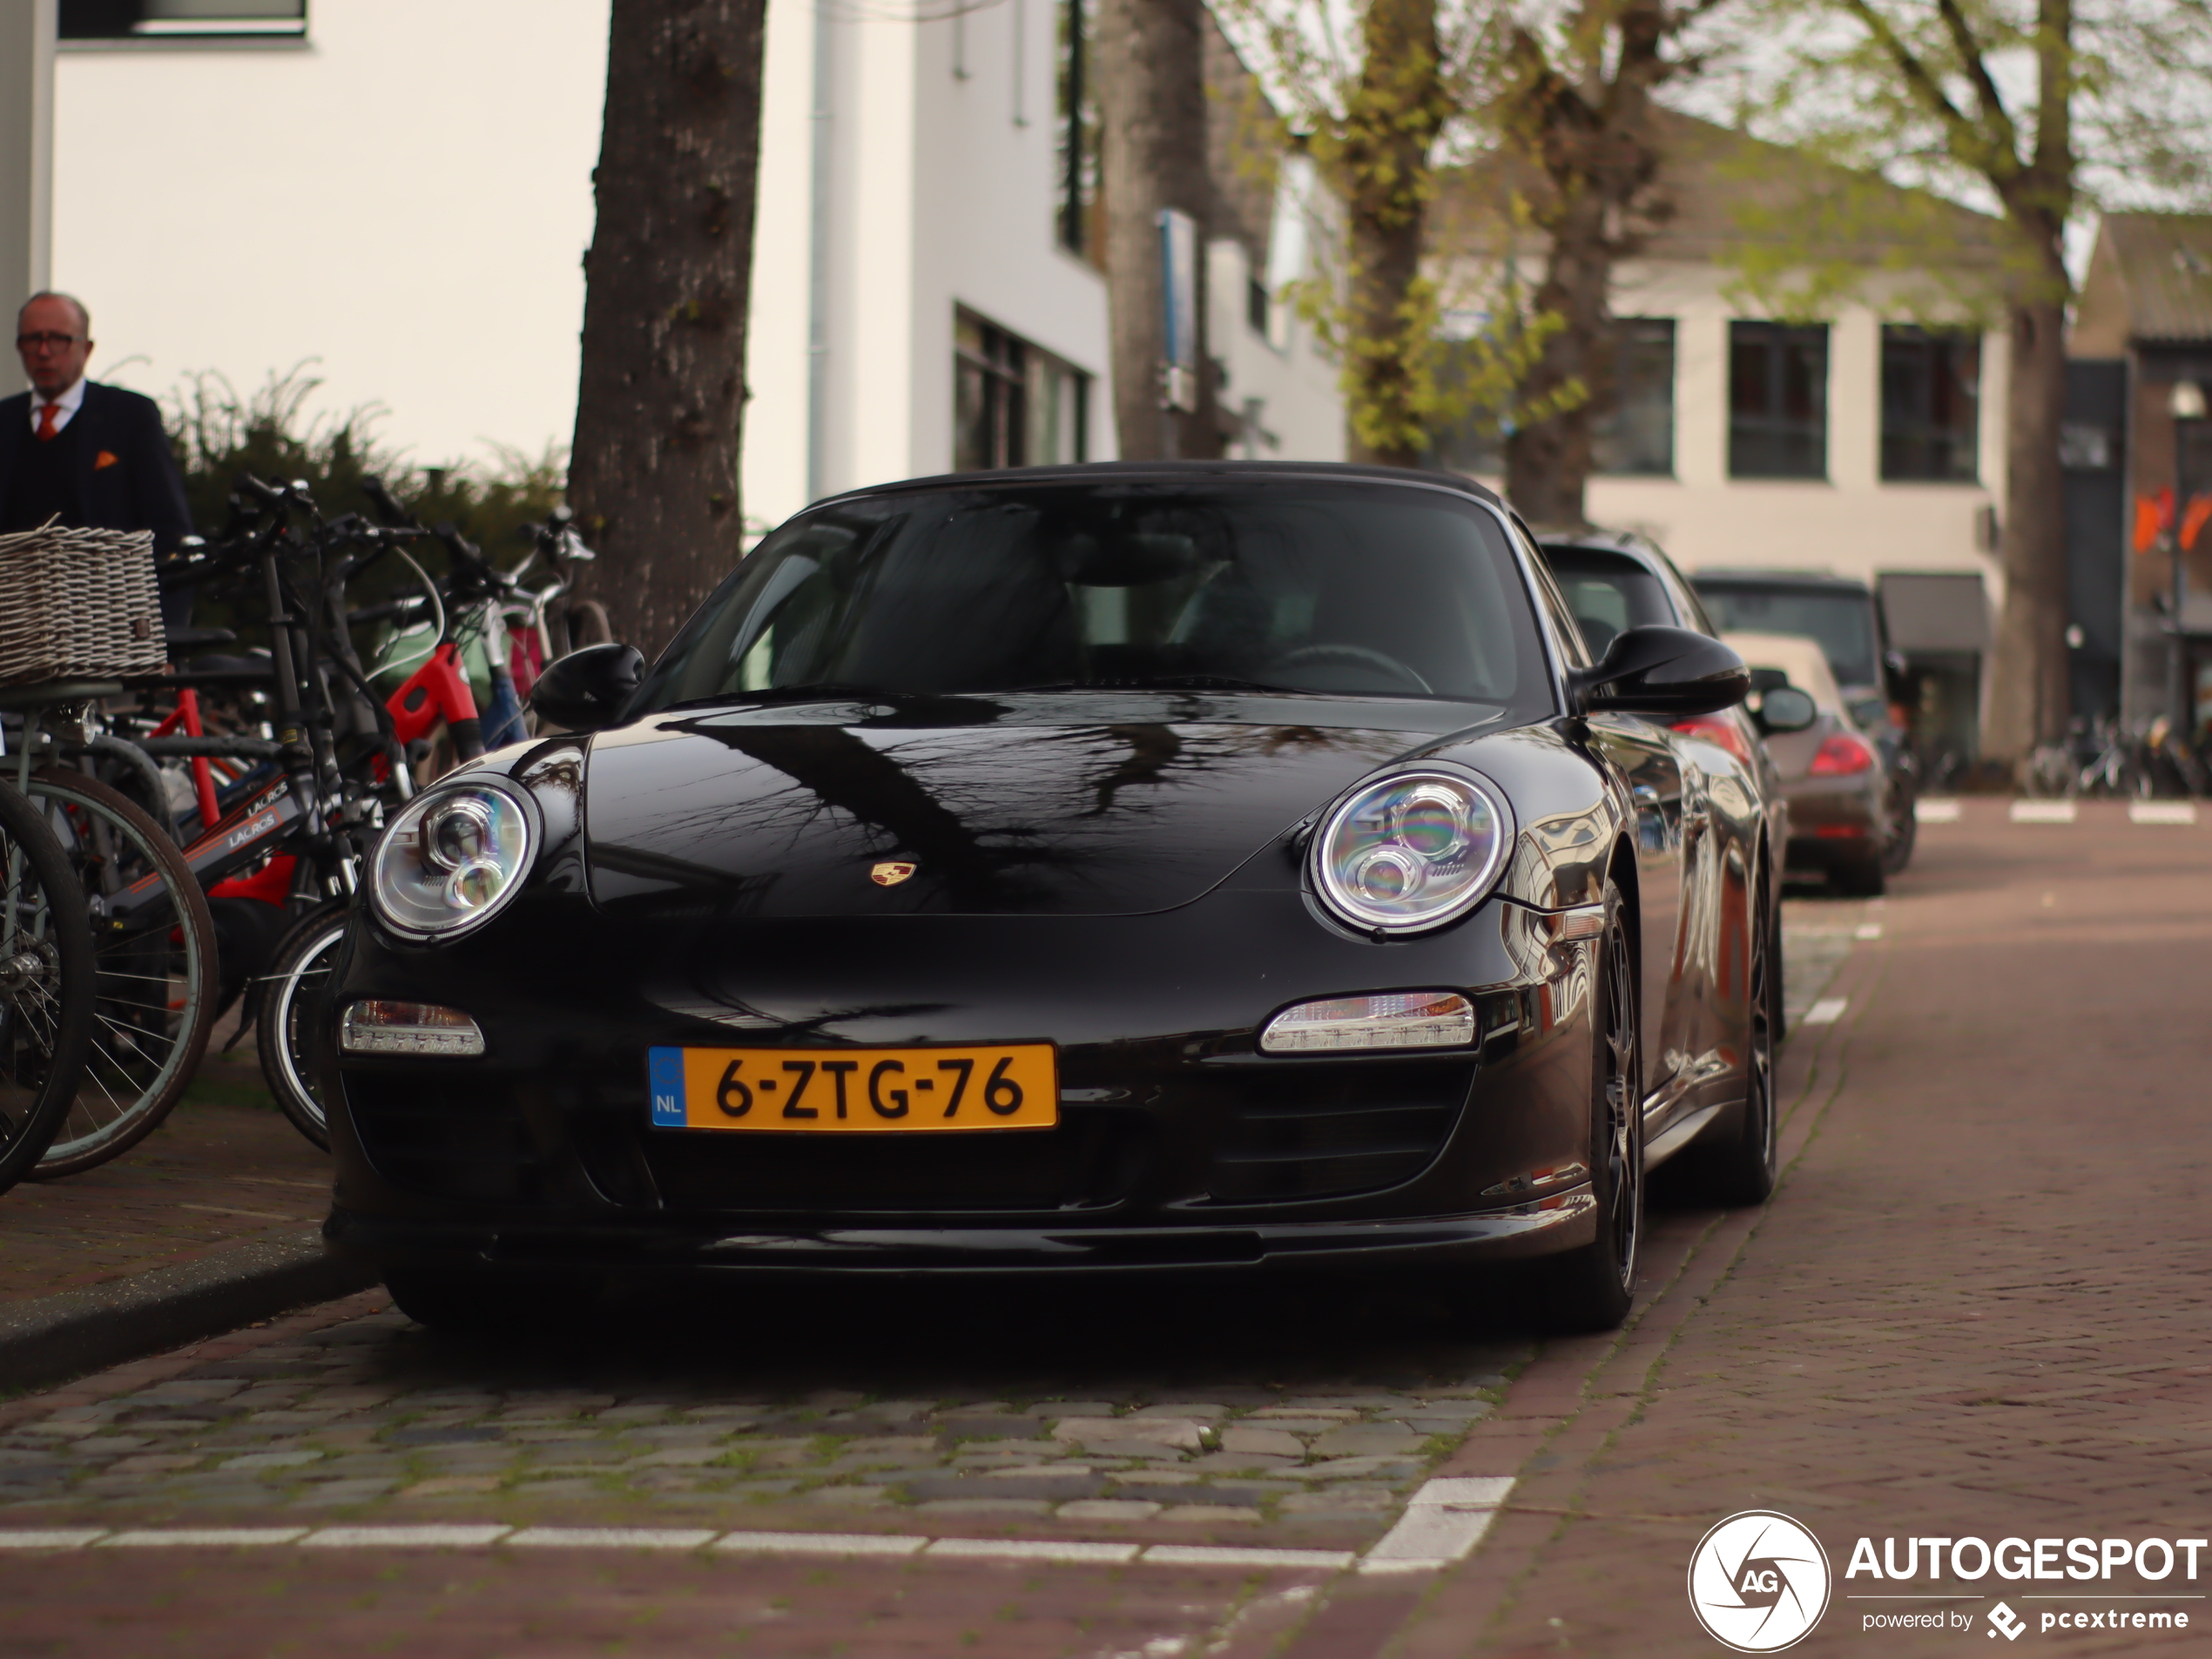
94 456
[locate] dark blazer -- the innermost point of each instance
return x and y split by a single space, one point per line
139 490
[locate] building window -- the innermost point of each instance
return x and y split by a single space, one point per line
1637 439
1777 388
1076 115
179 19
1258 308
1014 404
1930 404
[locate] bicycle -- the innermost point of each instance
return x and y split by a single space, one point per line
151 938
47 986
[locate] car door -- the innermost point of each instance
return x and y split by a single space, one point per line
1644 753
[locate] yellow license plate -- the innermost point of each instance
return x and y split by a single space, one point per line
861 1090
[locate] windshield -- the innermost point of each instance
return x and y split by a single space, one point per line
1608 592
1283 585
1842 621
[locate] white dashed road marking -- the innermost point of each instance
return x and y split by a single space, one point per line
2161 811
1826 1011
2042 811
1445 1520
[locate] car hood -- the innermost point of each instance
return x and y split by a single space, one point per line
1061 804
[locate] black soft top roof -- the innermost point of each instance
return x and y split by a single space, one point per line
1099 471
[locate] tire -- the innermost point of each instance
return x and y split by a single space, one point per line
1904 830
287 1015
144 1050
1591 1288
47 987
1739 1172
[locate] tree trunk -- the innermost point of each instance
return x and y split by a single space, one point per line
1152 113
660 407
1548 462
1592 138
2029 692
2030 689
1382 172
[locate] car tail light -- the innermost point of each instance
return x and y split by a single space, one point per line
1841 756
1407 1019
1708 728
420 1029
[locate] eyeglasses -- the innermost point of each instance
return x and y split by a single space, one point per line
33 342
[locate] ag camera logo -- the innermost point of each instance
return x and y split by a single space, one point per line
1759 1581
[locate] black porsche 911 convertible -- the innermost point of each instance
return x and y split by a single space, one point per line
1113 868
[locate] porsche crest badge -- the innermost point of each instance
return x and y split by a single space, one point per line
890 874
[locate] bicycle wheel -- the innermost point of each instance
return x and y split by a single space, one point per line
291 1004
153 947
46 987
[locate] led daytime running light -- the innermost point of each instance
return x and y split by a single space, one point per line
1400 1020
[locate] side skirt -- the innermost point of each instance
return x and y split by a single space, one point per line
1682 1132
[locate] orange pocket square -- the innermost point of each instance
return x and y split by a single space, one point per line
105 459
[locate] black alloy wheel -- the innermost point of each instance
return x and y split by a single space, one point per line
1591 1288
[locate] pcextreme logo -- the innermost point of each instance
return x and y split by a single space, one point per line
1759 1581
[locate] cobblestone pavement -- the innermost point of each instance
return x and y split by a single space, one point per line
1301 1415
1976 1307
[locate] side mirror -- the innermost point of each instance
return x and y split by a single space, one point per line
587 690
1662 671
1785 709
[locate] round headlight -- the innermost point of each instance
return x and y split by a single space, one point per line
1412 850
453 858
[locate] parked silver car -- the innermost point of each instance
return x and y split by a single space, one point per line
1832 773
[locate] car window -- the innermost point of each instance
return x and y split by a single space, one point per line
1608 592
1562 620
1841 620
1303 586
1686 600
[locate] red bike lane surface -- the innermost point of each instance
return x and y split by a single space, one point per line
426 1604
1978 1307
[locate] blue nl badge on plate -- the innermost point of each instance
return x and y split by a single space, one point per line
664 1075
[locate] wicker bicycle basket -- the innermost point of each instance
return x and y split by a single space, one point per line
78 604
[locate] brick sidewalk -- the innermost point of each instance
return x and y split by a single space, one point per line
1977 1306
213 1174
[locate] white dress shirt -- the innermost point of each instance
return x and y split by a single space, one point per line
69 402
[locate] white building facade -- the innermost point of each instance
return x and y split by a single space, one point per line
397 193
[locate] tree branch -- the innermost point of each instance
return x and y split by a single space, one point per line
1971 59
1916 77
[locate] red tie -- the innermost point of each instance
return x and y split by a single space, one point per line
48 414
